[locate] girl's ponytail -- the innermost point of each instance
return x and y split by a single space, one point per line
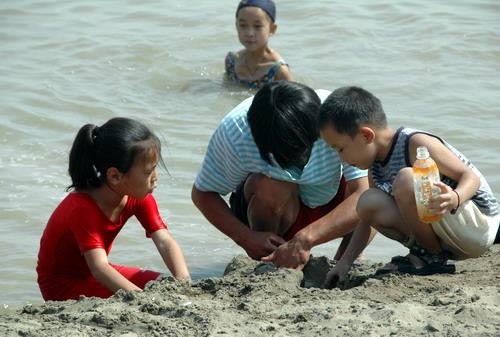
115 144
82 169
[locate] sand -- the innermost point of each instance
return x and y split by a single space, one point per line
253 299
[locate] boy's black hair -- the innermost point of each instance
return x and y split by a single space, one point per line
116 143
347 108
283 120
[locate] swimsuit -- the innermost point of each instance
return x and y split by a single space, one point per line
267 78
78 225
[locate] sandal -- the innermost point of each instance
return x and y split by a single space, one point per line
394 265
428 269
434 264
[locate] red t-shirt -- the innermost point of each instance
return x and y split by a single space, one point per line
78 225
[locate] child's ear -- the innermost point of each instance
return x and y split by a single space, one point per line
113 176
274 28
367 133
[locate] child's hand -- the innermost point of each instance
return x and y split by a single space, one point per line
336 276
292 254
445 201
260 244
186 278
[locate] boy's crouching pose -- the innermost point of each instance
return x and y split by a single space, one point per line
353 122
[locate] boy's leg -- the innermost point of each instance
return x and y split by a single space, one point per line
397 217
403 192
380 209
393 218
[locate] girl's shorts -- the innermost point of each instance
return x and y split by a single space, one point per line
468 232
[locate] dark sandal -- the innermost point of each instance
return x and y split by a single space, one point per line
400 260
394 265
428 269
434 264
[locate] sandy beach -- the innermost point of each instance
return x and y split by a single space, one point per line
254 299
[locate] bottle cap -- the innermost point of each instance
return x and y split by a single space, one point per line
422 152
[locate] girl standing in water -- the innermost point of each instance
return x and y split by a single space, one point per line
256 64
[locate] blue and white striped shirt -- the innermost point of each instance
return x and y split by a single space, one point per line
232 155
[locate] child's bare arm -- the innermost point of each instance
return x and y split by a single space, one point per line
171 254
337 223
97 260
451 166
215 209
358 242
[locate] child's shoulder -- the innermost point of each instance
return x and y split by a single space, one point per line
272 57
233 56
230 64
279 68
73 205
78 199
275 58
422 138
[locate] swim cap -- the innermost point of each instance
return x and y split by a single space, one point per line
266 5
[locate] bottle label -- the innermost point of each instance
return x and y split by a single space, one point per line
425 190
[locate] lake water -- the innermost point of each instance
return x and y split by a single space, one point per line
435 65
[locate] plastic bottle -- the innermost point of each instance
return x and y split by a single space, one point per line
425 175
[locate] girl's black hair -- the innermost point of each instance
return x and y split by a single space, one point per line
347 108
283 120
115 144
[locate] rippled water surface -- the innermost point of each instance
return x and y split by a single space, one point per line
434 65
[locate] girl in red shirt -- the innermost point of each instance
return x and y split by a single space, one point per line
113 173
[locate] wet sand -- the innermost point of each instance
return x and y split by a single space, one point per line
252 299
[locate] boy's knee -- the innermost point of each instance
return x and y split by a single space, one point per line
369 202
402 186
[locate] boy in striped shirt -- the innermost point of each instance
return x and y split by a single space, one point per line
353 121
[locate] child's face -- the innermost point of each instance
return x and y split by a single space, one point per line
142 178
254 28
358 151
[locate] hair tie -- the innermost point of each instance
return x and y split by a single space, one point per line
453 211
95 130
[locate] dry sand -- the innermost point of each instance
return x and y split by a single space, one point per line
258 300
